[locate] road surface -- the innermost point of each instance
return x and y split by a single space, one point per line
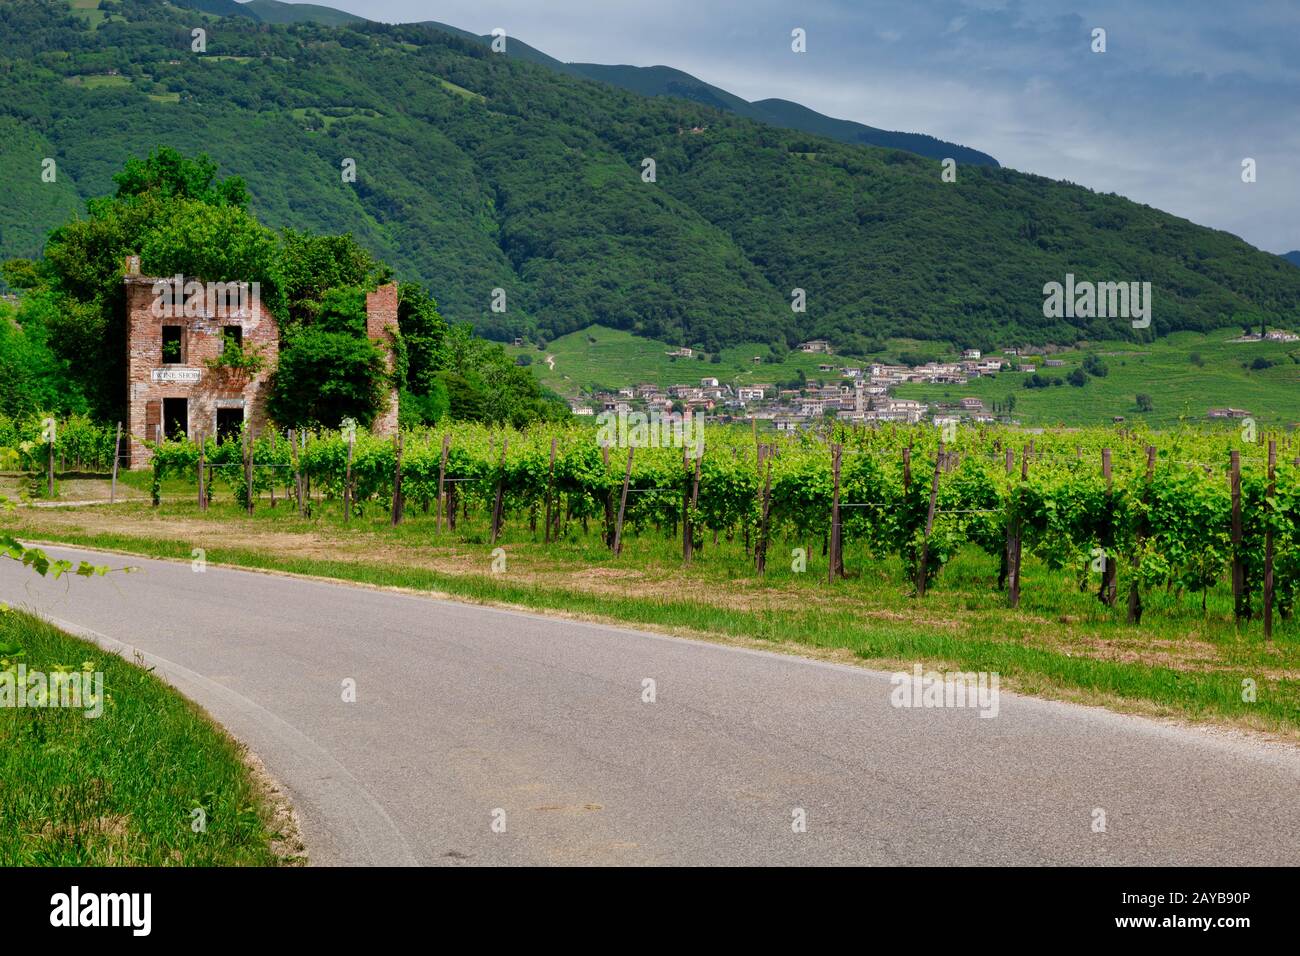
484 736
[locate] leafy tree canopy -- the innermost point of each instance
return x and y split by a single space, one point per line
180 218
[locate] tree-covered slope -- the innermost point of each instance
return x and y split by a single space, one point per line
653 81
666 81
222 8
274 11
478 172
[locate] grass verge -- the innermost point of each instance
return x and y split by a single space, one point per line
121 788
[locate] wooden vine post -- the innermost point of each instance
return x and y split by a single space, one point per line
760 547
501 490
695 501
550 491
929 524
622 503
1134 591
117 456
1268 542
1014 522
347 480
760 455
1238 565
1004 561
248 466
297 474
203 492
609 499
1109 569
686 507
273 468
442 477
306 478
399 503
835 564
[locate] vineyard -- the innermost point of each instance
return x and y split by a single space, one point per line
1123 512
1120 512
79 444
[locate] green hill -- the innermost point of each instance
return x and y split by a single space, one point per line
222 8
666 81
478 172
273 11
605 358
657 81
1184 375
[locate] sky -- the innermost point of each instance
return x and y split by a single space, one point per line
1185 91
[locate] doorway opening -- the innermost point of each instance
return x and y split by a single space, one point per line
229 422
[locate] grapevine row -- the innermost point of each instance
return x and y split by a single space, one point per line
1165 507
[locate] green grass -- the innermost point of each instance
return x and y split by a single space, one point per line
89 11
461 91
118 789
165 97
1163 370
1062 642
611 358
301 114
98 81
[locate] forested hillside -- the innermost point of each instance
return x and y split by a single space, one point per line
477 172
648 81
665 81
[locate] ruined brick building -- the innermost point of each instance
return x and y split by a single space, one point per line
177 327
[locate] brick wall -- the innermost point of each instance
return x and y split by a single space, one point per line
202 339
381 323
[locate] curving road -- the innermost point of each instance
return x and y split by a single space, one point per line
465 716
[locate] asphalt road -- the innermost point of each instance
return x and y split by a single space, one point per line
466 717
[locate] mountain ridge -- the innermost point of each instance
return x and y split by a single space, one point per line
662 80
478 173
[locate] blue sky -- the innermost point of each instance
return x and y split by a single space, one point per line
1184 92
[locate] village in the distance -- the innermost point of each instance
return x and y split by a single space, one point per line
856 392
